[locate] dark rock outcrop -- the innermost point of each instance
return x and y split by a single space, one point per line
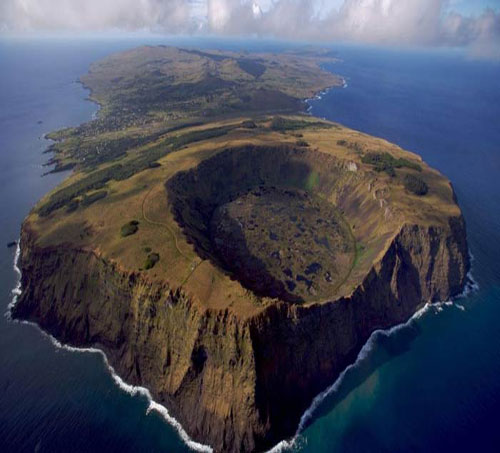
235 384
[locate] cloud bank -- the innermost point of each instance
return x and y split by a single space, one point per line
171 16
392 22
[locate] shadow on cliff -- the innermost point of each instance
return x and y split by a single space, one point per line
384 348
250 270
195 194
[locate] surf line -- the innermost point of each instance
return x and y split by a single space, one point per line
16 292
294 443
132 390
319 95
285 445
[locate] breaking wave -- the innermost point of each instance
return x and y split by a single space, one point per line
16 292
319 96
294 443
132 390
285 445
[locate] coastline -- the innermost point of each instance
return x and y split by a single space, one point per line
285 445
318 96
17 291
89 98
153 406
53 161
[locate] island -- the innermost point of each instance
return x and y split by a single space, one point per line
226 251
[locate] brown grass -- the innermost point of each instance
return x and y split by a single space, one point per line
143 197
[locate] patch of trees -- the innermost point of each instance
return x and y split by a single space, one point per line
355 146
143 160
151 260
152 91
129 228
252 67
265 99
248 124
281 124
385 162
212 56
98 179
73 205
415 185
87 200
197 136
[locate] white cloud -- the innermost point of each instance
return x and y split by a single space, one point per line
395 22
94 15
399 22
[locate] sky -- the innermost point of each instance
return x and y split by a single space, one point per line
472 24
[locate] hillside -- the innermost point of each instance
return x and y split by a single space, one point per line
233 264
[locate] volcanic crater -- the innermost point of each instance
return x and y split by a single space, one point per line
281 243
266 216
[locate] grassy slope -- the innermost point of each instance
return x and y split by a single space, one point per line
146 92
142 197
144 120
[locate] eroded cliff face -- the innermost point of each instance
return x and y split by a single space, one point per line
235 384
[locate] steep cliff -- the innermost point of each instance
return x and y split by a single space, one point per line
235 334
238 384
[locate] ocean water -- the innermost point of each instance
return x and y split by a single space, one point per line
431 385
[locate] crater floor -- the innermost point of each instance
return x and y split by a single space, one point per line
284 243
182 217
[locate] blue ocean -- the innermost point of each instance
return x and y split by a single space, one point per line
431 385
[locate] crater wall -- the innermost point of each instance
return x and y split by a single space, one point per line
239 383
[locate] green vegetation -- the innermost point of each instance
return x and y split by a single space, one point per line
86 149
355 146
151 260
140 161
87 200
415 185
73 205
281 124
252 67
285 172
93 153
142 85
129 228
248 124
99 178
197 136
387 163
144 102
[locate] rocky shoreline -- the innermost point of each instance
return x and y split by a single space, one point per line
238 385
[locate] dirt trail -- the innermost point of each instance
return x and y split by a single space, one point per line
193 263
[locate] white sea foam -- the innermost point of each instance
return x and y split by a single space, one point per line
132 390
16 292
316 97
284 445
471 286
